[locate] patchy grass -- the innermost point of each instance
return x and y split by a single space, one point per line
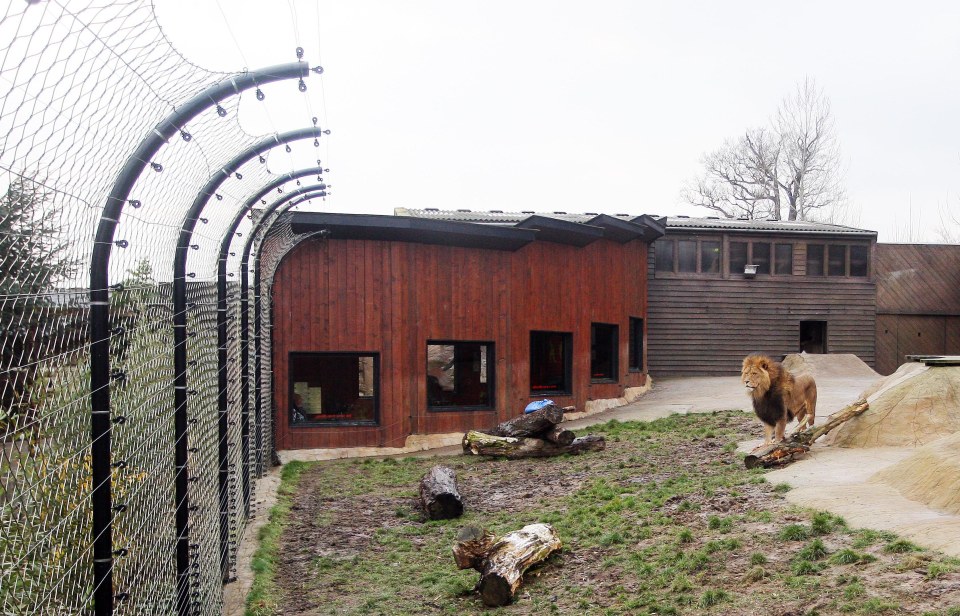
666 520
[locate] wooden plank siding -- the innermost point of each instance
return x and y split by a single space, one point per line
918 302
390 298
705 324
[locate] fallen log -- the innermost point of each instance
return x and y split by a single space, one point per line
530 424
784 452
559 436
482 444
502 563
439 495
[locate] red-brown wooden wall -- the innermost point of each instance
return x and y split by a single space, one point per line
391 297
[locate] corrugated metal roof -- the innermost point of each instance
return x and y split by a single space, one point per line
791 226
672 222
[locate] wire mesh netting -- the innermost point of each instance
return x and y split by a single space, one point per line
83 85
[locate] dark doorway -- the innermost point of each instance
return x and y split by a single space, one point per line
813 336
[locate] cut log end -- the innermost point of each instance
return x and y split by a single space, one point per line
495 591
439 496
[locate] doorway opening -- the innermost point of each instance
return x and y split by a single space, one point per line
813 336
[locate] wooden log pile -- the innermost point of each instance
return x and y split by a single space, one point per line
798 443
502 562
532 435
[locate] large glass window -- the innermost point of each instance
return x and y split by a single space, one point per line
761 257
837 260
460 375
687 261
710 257
738 257
636 344
783 259
551 362
603 351
663 255
333 388
814 259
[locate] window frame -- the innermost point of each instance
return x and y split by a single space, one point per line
294 355
635 345
674 270
848 248
491 378
567 365
614 334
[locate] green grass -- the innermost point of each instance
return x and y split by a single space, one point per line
641 528
263 599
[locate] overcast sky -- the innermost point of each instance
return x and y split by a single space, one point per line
604 106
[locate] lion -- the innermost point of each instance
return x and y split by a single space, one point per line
778 397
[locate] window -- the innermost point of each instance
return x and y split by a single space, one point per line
687 260
460 375
851 260
551 355
663 255
761 256
636 345
738 257
603 352
783 259
837 260
710 257
334 388
858 260
814 259
688 256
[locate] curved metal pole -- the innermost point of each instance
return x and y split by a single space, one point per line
180 295
245 307
222 401
100 415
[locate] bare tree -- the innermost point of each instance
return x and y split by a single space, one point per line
790 169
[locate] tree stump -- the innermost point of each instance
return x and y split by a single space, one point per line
784 452
530 424
502 563
439 495
482 444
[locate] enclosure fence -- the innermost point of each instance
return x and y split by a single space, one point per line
139 231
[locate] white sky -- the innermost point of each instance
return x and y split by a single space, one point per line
604 106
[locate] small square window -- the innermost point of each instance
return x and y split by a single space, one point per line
603 352
460 375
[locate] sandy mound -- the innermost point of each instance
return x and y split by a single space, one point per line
836 365
904 372
930 476
912 408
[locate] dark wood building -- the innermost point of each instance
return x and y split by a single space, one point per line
720 289
387 326
918 302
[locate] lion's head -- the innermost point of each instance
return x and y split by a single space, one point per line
756 374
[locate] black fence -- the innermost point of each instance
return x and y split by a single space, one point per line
140 228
